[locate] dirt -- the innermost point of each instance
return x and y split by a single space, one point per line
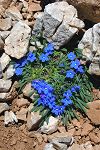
16 137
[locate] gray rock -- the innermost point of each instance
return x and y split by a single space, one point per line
1 43
49 146
13 13
5 85
51 126
4 60
90 44
1 75
9 72
4 107
59 23
16 44
76 147
4 34
33 120
9 117
3 96
5 24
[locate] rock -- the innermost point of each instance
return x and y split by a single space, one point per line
96 147
34 7
4 107
33 120
21 102
94 111
59 27
1 43
4 34
21 115
76 147
51 126
87 146
5 85
9 72
94 138
90 44
28 91
1 73
16 44
5 3
86 129
4 60
5 24
2 11
13 13
3 96
10 117
49 146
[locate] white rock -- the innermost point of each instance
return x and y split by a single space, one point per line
3 96
49 146
90 44
87 146
33 120
5 24
5 85
51 126
21 115
13 13
1 43
1 73
16 44
4 60
28 91
4 34
10 72
9 117
4 107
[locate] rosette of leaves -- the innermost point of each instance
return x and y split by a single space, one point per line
60 81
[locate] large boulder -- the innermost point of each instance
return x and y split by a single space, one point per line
90 44
59 23
89 9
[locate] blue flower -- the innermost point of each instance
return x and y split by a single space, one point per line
80 69
21 63
77 88
75 64
71 56
67 94
70 74
61 65
43 57
66 102
49 49
31 57
73 89
18 71
58 110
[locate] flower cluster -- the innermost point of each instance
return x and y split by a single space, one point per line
48 99
75 66
48 50
22 62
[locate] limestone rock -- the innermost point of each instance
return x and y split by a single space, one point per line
5 24
9 72
93 112
3 96
4 60
21 115
9 117
76 147
86 129
33 120
4 34
90 44
34 7
51 126
87 146
1 73
21 102
13 13
58 27
28 91
4 107
16 44
49 146
5 85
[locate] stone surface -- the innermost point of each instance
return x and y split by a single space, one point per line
13 13
59 27
49 146
4 107
21 115
34 7
3 96
86 129
4 60
28 91
9 72
33 120
51 126
16 44
90 44
5 24
94 138
76 147
10 117
93 112
21 102
5 85
87 146
1 73
4 34
5 3
1 43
